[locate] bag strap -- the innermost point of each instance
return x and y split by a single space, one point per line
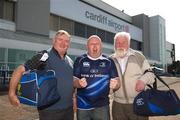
159 78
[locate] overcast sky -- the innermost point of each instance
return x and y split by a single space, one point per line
168 9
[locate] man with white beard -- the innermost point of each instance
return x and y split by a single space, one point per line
131 65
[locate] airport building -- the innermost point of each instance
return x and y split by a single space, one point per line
27 26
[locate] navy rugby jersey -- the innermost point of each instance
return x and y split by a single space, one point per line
98 73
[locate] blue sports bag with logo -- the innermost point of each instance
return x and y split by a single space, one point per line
38 88
38 85
154 102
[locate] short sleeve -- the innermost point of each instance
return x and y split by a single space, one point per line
37 62
77 68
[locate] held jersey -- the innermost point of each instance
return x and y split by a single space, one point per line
98 73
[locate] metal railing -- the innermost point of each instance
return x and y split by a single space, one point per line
5 74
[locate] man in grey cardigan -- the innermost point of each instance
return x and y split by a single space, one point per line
131 65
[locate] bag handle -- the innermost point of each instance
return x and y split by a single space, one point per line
160 79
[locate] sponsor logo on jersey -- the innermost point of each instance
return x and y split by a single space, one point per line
94 70
102 64
86 64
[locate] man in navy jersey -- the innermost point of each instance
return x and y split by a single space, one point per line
94 75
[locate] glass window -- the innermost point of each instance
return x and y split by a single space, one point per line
1 9
3 62
17 57
101 34
9 10
2 54
109 37
54 22
79 29
90 31
67 25
136 45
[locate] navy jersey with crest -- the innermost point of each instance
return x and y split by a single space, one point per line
98 73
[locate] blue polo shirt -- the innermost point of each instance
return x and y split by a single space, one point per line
98 73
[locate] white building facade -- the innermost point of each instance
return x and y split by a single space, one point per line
27 26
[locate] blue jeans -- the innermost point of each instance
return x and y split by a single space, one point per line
99 113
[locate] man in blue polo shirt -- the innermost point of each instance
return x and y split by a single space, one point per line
61 64
94 75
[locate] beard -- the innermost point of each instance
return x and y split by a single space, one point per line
121 52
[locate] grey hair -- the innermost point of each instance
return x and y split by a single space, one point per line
123 34
62 32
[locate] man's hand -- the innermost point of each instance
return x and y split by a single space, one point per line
83 82
140 86
114 84
14 100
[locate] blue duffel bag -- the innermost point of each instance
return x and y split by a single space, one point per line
38 88
154 102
